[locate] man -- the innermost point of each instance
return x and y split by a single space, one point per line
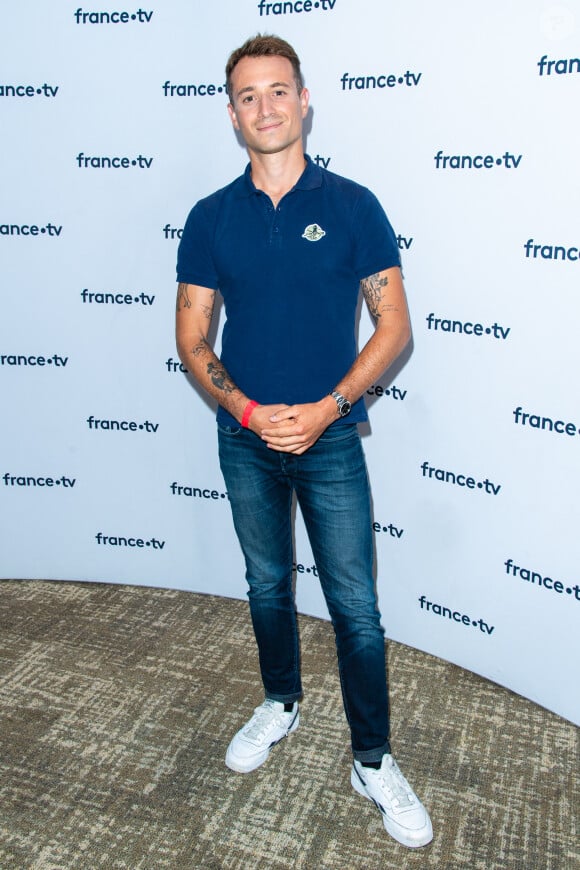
288 245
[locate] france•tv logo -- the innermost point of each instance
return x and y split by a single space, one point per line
295 6
140 15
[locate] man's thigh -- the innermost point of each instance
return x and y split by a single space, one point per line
260 499
334 497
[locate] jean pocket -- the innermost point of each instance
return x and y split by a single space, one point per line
229 430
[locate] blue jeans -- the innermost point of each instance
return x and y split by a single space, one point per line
331 485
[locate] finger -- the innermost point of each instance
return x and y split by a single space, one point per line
284 438
292 448
289 446
286 413
282 430
295 451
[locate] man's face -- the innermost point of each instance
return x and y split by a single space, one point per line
267 108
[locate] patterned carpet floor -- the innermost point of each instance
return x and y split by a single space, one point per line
117 704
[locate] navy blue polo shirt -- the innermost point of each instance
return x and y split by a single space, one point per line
289 277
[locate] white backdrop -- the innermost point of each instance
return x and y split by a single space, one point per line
465 123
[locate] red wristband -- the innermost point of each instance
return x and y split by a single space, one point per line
248 413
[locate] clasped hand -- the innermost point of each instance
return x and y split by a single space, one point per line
292 428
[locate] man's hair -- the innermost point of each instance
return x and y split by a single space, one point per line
264 46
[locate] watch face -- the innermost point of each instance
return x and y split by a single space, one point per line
344 405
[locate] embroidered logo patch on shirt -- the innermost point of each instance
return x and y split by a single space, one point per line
313 233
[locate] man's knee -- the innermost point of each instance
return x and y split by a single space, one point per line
358 621
270 587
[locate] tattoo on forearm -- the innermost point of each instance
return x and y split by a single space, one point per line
220 378
372 289
183 300
207 311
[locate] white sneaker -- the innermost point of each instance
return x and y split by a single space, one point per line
268 726
404 816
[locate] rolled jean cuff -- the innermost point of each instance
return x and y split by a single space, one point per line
372 754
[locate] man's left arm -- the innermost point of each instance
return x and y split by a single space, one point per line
298 427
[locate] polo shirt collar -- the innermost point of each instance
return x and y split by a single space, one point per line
310 179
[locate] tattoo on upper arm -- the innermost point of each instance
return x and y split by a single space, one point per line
183 300
202 347
220 378
372 289
207 310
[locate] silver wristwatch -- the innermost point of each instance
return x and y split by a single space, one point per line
344 406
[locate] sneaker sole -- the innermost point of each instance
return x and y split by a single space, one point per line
418 839
241 765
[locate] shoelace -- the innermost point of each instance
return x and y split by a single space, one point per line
262 721
395 784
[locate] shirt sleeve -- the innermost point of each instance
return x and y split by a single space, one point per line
375 243
195 264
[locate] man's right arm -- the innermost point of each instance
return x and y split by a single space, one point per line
194 311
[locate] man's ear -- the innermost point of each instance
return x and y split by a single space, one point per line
233 117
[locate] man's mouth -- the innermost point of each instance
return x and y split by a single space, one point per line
271 125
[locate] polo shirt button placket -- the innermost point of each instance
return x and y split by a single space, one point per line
274 228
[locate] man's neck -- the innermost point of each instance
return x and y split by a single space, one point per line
276 174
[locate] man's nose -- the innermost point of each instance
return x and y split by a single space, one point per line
265 106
